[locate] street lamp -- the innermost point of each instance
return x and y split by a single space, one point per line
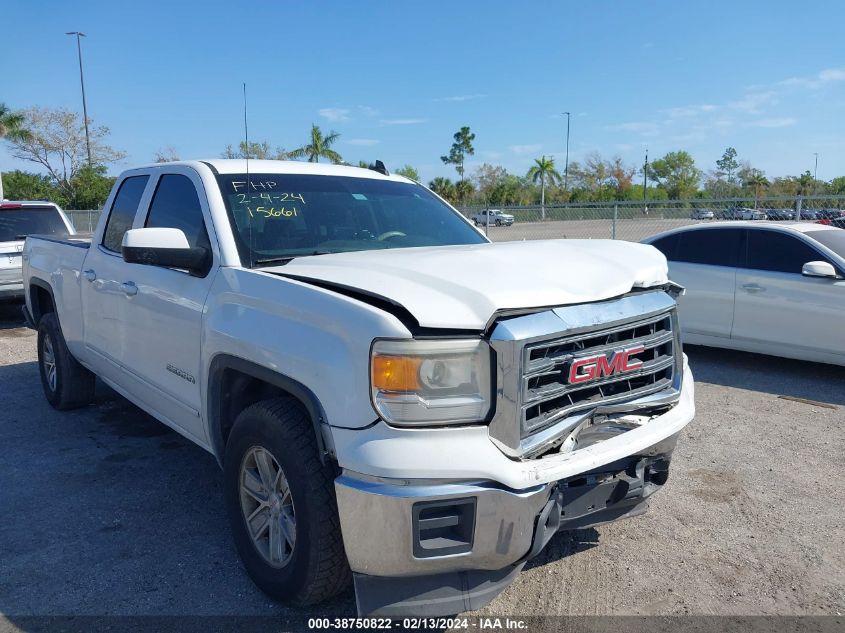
566 166
816 168
78 34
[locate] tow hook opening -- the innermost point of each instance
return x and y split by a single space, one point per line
616 491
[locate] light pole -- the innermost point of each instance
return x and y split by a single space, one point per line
816 168
566 165
645 182
78 34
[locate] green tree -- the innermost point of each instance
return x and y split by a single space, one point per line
754 180
461 148
11 127
806 184
728 163
90 188
463 191
166 155
444 188
543 170
319 147
408 172
256 151
56 141
836 186
676 173
24 185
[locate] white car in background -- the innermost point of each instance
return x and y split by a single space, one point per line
492 217
773 288
17 221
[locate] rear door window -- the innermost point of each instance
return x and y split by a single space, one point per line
123 211
779 252
713 247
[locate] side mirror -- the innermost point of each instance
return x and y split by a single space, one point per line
818 269
164 247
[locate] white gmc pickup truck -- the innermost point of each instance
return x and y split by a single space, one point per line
392 398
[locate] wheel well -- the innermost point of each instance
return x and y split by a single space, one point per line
233 389
41 300
238 391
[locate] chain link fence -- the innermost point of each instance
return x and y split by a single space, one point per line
84 221
634 221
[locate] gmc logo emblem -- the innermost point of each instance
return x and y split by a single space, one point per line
595 367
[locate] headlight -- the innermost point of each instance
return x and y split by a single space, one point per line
431 382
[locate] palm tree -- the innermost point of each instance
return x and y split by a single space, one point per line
757 181
11 127
319 147
541 169
443 187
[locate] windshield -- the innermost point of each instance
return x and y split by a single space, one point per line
280 216
17 223
834 240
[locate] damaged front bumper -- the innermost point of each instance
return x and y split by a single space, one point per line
430 547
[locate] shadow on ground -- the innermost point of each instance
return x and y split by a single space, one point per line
768 374
11 316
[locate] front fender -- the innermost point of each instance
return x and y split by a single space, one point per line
312 336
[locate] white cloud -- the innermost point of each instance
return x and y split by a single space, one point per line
816 81
525 149
832 74
753 102
461 97
637 127
334 114
362 141
689 111
366 110
774 122
402 121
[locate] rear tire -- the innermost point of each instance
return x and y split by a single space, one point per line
274 440
66 383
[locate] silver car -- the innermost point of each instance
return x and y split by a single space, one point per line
17 220
702 214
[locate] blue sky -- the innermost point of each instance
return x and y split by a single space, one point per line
398 79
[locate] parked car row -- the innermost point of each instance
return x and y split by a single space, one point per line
745 213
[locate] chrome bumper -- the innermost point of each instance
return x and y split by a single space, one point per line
376 519
476 536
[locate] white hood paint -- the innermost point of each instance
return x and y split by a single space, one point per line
461 287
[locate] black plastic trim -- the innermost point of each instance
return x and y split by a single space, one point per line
465 518
40 283
435 595
221 362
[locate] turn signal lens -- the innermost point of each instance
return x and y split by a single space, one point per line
396 373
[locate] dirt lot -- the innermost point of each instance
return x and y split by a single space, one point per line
632 230
105 511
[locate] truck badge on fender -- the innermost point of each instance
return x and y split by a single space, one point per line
181 373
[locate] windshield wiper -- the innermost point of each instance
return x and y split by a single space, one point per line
284 260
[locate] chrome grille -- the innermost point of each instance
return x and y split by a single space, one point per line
537 405
547 394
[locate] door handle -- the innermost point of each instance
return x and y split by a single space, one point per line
89 274
752 288
129 288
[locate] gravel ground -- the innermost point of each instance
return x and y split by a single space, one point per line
105 511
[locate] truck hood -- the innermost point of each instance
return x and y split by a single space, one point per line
462 287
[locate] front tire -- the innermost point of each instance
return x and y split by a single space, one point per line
66 383
281 505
